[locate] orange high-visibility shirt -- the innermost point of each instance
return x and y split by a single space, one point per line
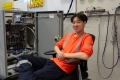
86 47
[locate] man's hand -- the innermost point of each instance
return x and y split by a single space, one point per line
60 55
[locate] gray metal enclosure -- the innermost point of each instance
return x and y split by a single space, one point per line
3 60
49 26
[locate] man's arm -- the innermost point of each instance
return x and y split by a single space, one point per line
85 51
79 55
58 47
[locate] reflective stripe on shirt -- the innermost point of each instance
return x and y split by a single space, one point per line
66 40
78 44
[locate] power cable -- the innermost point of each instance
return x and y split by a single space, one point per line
68 9
116 37
104 49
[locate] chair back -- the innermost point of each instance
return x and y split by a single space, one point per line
83 63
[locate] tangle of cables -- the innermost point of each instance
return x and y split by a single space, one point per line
116 37
113 43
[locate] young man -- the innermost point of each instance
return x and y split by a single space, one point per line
76 45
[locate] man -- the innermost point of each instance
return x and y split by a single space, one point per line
75 45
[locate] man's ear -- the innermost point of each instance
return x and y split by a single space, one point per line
85 22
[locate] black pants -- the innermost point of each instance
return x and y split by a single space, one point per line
41 69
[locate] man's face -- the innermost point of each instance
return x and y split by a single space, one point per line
78 25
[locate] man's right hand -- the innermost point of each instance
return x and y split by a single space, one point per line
60 55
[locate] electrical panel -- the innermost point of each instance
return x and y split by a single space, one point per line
19 38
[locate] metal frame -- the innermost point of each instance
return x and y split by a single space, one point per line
3 61
79 73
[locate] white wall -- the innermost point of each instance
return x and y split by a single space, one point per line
8 0
1 4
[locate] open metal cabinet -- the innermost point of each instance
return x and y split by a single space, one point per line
17 37
25 32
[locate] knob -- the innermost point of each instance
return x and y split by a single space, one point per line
56 39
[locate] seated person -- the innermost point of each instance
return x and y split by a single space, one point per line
75 45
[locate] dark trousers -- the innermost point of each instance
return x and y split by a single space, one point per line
41 69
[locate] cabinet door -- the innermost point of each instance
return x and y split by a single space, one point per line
49 26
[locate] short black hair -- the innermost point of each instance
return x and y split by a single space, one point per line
81 16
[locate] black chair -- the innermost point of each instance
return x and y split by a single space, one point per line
80 72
